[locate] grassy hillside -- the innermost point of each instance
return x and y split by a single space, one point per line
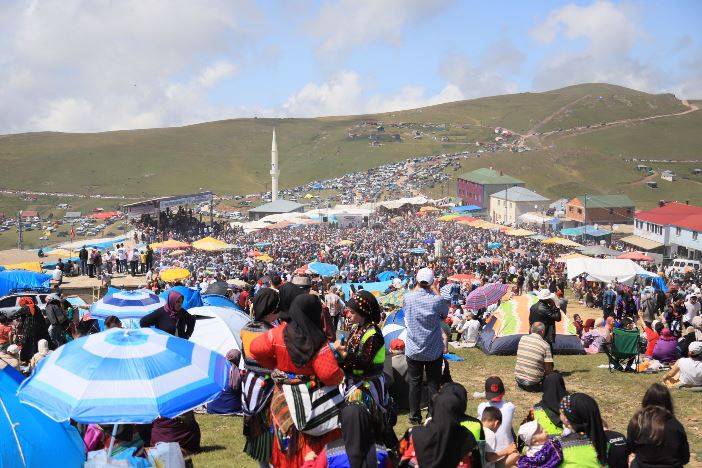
232 156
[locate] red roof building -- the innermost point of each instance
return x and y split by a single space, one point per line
675 228
674 214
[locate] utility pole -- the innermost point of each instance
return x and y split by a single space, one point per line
20 241
504 220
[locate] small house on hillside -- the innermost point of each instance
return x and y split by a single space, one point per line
24 214
475 187
600 209
668 175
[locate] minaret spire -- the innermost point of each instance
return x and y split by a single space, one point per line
275 172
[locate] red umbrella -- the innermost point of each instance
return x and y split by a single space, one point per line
636 256
486 295
254 253
462 278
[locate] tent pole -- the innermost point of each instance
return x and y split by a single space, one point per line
112 442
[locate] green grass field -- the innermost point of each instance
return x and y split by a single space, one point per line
232 156
618 395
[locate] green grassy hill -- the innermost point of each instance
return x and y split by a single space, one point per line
232 156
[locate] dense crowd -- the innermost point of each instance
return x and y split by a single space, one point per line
319 386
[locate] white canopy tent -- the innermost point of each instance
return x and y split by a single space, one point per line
606 269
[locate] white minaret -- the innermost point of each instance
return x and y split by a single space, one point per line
275 172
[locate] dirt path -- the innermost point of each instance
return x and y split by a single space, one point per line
587 129
551 116
645 179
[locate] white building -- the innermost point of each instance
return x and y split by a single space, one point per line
675 229
506 206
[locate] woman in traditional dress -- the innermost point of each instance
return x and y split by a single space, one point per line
362 357
256 382
305 370
31 327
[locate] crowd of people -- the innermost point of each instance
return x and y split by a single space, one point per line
318 383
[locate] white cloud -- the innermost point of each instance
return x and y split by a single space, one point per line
477 80
215 72
344 94
341 94
89 65
609 33
345 24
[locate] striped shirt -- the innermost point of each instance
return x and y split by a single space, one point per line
533 352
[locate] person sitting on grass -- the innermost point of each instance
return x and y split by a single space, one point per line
506 456
495 392
656 438
665 349
686 372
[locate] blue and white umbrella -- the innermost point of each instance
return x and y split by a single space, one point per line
394 331
128 306
125 376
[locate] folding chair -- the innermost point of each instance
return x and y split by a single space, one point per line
623 349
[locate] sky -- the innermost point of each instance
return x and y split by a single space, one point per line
99 65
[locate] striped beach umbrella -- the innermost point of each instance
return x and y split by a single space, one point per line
128 306
123 376
486 295
394 331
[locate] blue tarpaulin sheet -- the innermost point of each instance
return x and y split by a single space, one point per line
465 208
586 230
323 269
387 275
191 297
21 279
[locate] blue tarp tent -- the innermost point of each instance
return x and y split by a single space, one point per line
22 279
30 438
494 245
418 251
465 208
191 297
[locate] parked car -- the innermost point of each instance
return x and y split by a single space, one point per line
9 305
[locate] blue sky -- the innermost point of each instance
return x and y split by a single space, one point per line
77 65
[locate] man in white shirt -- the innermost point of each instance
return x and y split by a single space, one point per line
335 306
692 309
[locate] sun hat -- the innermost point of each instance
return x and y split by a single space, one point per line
544 295
527 431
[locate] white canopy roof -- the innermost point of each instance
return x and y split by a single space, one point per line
606 269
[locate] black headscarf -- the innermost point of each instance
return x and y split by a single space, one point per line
365 304
554 391
584 416
357 431
443 442
304 334
265 302
287 293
